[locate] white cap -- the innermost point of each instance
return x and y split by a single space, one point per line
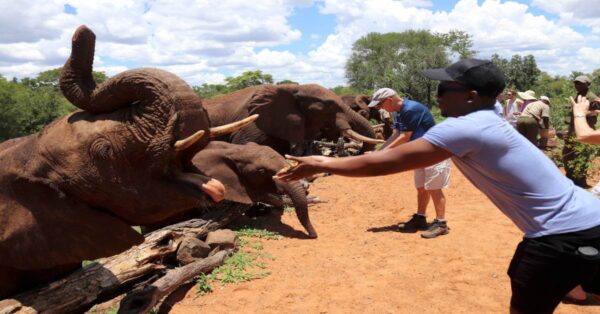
380 95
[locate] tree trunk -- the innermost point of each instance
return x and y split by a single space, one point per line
143 300
115 275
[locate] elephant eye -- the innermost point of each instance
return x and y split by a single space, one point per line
262 171
101 148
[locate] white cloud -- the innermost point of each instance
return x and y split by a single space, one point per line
200 40
573 12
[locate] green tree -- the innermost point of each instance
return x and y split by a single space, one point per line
396 60
26 106
206 91
286 82
521 73
347 90
248 78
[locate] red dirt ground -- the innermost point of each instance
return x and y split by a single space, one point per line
360 264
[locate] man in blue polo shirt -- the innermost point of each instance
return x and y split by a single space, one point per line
411 121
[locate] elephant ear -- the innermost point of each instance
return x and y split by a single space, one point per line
279 114
40 228
216 163
363 101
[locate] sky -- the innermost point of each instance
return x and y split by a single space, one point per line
205 41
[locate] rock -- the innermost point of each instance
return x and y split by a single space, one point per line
191 249
224 238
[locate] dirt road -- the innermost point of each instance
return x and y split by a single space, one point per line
361 264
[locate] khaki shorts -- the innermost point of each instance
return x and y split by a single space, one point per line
434 177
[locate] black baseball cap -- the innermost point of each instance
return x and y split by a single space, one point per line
480 75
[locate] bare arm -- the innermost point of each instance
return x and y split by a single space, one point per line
546 122
391 139
400 139
415 154
585 133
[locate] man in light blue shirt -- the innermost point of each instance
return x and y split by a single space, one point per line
561 222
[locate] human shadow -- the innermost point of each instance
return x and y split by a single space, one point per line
393 228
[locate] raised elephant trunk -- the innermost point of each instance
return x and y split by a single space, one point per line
297 194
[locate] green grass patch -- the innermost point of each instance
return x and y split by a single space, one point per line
257 233
245 265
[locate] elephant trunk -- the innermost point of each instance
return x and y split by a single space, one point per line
361 126
297 194
159 99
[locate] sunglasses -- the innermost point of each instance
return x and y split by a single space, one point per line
443 89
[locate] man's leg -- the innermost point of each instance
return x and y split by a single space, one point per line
422 200
439 226
541 276
418 220
437 178
439 202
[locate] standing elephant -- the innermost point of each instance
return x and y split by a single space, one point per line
247 173
360 104
70 192
290 115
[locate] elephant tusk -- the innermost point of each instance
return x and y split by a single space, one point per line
188 141
232 127
376 126
351 134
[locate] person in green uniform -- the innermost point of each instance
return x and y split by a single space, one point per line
569 154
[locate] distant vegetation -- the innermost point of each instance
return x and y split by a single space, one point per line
377 60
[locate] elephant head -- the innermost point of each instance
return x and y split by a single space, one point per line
290 115
247 172
359 104
71 191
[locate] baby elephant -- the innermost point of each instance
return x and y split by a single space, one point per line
247 173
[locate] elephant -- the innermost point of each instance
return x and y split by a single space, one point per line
360 104
289 116
247 173
72 191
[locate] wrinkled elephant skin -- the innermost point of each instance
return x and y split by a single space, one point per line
247 172
290 115
70 192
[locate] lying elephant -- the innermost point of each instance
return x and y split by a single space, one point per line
70 192
290 115
247 172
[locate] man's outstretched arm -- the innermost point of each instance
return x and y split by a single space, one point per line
412 155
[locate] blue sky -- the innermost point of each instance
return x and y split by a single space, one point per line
307 41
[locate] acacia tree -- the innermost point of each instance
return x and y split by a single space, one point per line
521 73
396 60
233 83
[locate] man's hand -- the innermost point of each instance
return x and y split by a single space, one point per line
305 167
581 107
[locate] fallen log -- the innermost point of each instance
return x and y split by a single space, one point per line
113 276
143 300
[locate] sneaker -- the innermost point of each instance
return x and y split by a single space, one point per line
417 222
437 228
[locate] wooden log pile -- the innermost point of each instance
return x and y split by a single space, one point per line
147 272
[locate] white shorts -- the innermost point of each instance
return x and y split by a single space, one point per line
434 177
